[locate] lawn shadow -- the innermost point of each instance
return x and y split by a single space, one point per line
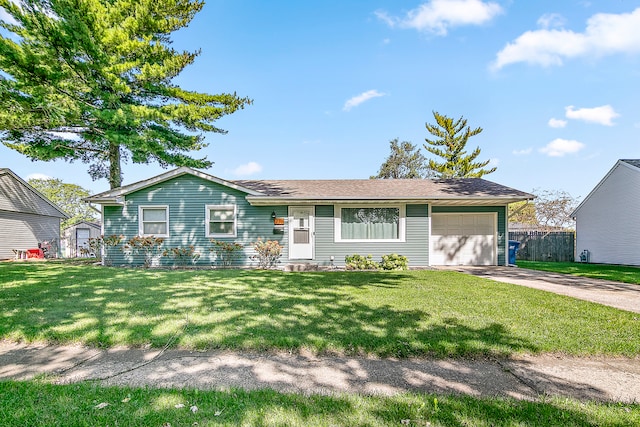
246 310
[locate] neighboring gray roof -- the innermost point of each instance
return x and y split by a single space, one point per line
632 162
88 223
467 190
16 195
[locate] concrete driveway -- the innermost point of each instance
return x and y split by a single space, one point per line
619 295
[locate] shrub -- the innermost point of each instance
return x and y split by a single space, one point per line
148 246
97 243
182 256
226 253
358 262
267 253
394 262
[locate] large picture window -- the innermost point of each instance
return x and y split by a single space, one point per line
221 221
153 221
370 223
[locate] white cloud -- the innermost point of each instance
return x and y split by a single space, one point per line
523 152
601 115
38 176
359 99
248 169
551 20
559 147
605 34
437 16
557 123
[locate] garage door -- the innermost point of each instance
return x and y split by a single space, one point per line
463 239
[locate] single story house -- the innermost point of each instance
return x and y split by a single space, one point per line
607 225
75 238
27 217
431 222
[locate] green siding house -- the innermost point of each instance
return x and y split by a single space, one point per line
431 222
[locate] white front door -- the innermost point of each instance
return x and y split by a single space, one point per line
301 232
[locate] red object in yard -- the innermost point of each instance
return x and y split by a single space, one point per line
35 253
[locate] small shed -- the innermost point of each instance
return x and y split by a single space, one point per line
76 237
27 218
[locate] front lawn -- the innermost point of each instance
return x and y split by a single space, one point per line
38 404
402 314
616 273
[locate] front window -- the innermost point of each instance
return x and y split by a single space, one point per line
153 221
370 223
221 221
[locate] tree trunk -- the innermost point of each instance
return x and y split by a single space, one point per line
115 172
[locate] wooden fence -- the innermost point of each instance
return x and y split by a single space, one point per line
553 246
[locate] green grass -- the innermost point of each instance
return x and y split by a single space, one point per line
37 403
402 314
616 273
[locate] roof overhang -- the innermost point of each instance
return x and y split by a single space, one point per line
440 201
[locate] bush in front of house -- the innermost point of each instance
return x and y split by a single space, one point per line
226 252
182 257
96 244
389 262
267 253
148 246
359 262
394 262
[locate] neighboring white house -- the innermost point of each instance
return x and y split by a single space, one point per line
608 220
76 237
27 217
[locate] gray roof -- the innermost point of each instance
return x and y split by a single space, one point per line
382 189
632 162
265 192
16 195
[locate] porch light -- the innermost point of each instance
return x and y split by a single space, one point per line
273 215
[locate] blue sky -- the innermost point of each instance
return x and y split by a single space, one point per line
554 84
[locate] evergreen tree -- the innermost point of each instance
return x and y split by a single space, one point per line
450 141
91 80
405 161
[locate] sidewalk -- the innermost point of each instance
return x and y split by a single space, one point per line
523 378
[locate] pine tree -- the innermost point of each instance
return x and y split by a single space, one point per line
405 161
450 141
91 80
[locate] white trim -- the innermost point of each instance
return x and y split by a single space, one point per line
402 223
207 213
141 222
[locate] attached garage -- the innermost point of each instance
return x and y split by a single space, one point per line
464 239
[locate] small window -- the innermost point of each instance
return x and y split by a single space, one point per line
153 221
221 221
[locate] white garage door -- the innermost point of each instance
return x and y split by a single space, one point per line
463 239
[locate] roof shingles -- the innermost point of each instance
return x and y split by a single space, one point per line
382 189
